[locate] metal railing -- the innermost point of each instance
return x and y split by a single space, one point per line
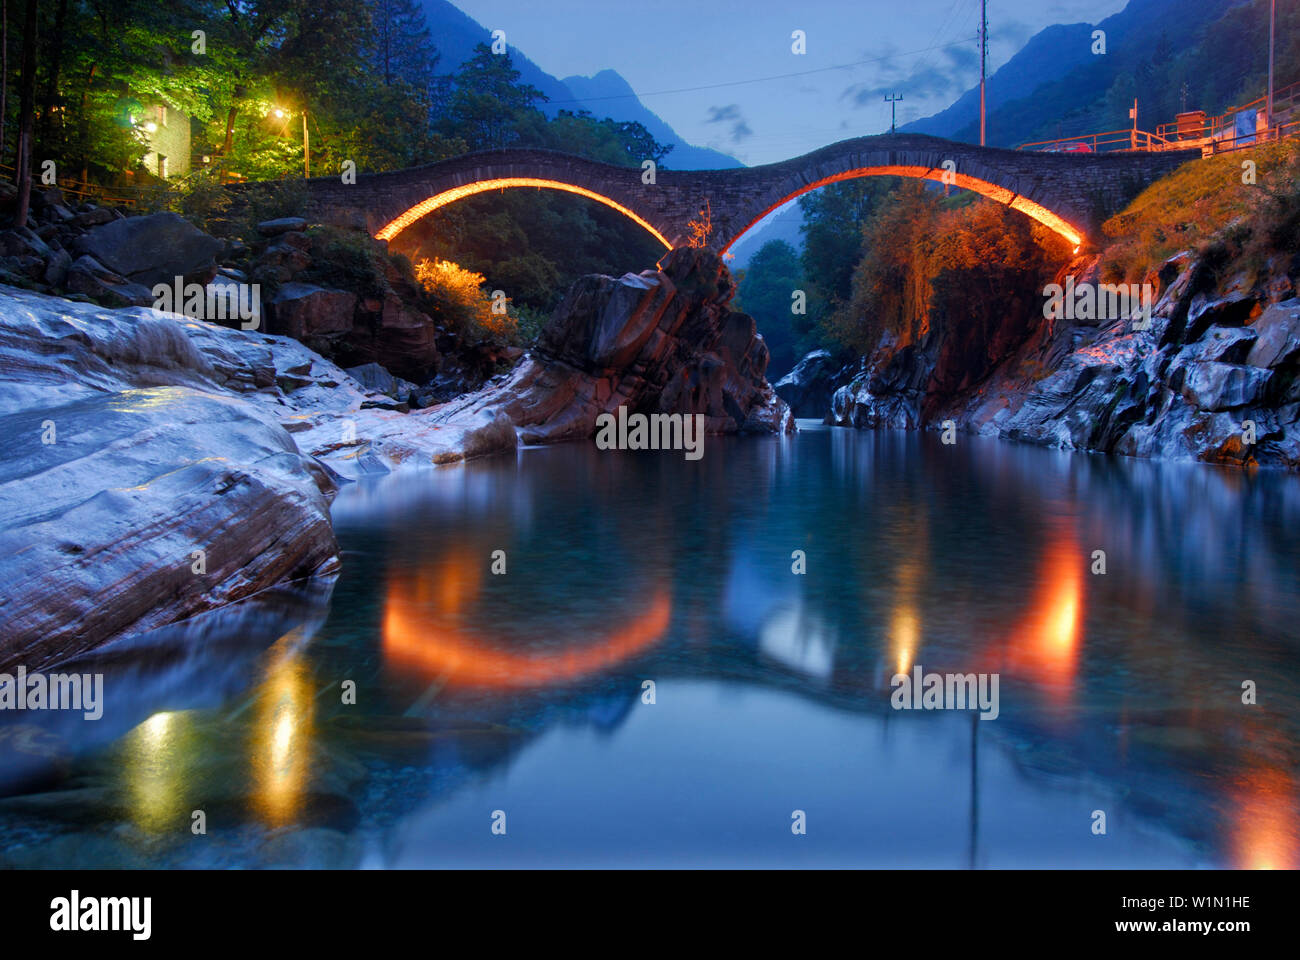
1107 142
109 196
1217 134
1223 126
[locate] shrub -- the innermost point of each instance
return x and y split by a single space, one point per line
457 296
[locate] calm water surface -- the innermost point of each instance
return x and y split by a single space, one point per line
523 693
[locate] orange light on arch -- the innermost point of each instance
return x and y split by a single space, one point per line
400 223
1002 195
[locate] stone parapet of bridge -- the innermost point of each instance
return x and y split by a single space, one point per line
1071 193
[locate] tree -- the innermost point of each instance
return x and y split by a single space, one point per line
488 102
404 51
26 116
832 229
766 294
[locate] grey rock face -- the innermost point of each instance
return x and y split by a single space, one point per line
808 387
153 249
1213 369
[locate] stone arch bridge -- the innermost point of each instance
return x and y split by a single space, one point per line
1069 193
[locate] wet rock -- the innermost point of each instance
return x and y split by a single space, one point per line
315 848
93 216
662 341
1222 386
808 387
100 527
56 267
272 228
88 276
153 249
374 377
1277 332
303 310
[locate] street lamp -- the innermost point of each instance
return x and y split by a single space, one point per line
281 114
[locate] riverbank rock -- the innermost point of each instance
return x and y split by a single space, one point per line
1215 377
137 438
807 388
662 341
153 249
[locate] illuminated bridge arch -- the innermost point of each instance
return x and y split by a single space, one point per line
1068 193
1072 233
452 194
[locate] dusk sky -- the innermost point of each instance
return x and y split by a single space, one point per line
705 43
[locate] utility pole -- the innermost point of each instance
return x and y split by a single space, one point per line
306 147
1268 106
893 101
984 53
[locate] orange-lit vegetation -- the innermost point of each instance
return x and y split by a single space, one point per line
1206 204
463 303
926 264
700 228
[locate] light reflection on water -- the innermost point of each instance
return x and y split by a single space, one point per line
523 691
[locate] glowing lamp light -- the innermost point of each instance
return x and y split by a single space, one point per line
151 127
279 114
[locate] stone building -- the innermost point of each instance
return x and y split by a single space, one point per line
168 132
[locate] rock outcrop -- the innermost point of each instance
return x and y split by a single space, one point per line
1215 377
809 386
138 439
662 341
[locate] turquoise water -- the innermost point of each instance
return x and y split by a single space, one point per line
519 698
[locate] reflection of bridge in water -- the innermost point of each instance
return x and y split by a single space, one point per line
1083 707
1068 193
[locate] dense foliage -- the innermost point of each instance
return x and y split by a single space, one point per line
769 289
1190 209
362 77
926 265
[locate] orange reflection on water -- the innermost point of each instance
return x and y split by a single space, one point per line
904 636
283 731
1264 811
418 633
1044 645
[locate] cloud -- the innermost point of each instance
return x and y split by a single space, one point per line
730 114
1014 33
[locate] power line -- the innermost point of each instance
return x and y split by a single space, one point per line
779 76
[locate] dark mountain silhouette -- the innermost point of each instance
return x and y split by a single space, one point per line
1055 86
455 34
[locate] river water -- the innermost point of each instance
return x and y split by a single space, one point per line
651 683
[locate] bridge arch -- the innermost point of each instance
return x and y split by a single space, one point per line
1057 224
452 194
